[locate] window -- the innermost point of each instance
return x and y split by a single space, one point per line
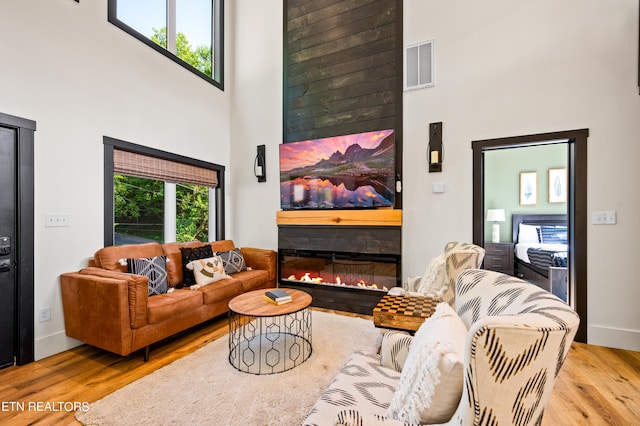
190 32
153 195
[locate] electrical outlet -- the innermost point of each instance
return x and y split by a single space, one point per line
44 314
56 220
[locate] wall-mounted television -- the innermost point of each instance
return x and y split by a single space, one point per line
341 172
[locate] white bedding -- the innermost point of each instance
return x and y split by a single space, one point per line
521 249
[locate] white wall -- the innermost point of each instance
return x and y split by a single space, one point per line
503 68
507 68
81 78
256 119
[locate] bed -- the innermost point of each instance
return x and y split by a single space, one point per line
540 250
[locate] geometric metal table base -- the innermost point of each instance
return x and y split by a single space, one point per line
269 344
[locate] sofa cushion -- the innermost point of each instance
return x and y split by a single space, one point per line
207 271
222 291
233 261
432 377
154 268
168 305
395 349
361 384
190 254
222 245
251 280
109 258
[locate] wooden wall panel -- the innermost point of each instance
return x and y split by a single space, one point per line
343 68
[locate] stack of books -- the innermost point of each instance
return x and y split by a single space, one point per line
277 297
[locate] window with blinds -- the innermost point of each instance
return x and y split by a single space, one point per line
144 166
158 196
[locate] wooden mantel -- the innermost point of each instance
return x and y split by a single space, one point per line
373 217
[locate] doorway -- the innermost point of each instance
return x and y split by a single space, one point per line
576 205
16 240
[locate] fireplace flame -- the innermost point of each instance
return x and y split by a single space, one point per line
338 281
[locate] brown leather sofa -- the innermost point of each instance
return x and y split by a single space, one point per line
109 308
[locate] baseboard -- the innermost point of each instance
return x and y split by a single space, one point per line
614 337
53 344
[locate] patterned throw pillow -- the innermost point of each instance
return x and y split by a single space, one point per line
207 271
554 234
190 254
233 261
154 268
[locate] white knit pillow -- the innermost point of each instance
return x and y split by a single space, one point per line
434 282
431 382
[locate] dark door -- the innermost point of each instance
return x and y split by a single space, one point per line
8 202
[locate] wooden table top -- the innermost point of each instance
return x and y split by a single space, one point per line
253 304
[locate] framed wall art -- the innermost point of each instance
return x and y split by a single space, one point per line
557 185
528 188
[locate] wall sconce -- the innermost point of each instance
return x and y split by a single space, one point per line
260 165
496 216
435 151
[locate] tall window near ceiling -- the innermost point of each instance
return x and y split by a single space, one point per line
152 195
189 32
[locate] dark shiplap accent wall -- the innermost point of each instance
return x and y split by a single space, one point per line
343 67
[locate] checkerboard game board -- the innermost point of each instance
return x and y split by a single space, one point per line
403 312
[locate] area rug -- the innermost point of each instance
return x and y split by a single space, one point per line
203 388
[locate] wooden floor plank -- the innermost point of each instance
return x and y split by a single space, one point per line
596 386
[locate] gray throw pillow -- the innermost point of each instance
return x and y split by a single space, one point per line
154 268
233 261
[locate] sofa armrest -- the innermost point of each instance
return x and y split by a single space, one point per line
96 310
261 259
394 349
137 290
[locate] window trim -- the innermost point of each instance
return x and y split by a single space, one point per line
217 69
109 211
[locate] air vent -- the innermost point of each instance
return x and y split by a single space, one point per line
418 65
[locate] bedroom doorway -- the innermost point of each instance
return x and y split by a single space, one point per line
574 142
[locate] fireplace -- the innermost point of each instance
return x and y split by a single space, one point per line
362 271
346 268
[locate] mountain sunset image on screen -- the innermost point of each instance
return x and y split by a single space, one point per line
349 171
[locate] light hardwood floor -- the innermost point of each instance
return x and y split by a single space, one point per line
597 385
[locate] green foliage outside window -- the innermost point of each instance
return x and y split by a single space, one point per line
139 210
200 58
192 213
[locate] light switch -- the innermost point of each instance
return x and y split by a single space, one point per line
603 218
52 220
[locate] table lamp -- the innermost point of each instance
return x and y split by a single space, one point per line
495 216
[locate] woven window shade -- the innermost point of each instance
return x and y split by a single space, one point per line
138 165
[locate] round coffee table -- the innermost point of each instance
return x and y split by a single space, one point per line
265 338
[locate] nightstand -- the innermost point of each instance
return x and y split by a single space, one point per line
499 257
